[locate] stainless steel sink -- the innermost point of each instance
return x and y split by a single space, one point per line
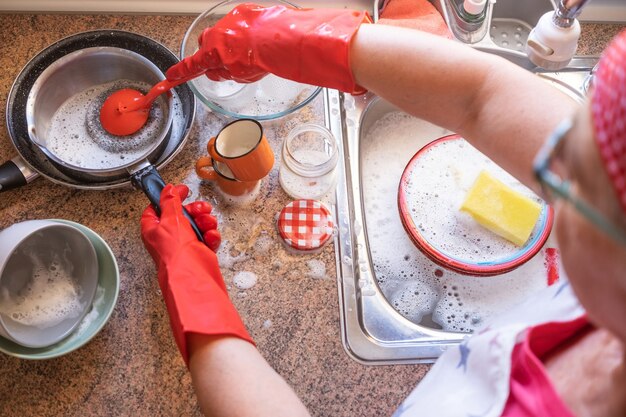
374 329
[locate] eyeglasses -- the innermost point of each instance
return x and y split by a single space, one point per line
553 186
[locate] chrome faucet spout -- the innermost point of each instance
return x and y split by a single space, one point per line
567 11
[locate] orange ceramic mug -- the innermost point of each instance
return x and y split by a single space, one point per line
208 169
243 147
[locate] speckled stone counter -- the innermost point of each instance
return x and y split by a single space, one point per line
133 367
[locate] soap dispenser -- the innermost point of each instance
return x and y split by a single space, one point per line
473 10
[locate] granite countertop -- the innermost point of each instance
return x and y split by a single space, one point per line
133 367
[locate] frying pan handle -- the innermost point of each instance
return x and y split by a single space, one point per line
15 173
150 182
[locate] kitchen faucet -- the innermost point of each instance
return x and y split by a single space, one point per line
552 43
469 19
567 11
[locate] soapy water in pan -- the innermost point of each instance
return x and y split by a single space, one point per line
76 136
417 288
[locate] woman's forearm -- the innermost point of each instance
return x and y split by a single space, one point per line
232 379
503 110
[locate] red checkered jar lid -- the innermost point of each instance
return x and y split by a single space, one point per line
305 225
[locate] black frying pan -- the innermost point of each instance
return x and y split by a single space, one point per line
32 161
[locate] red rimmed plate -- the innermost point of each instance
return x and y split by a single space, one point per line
431 190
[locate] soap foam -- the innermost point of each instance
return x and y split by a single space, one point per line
439 181
50 296
263 243
245 280
412 298
317 268
228 260
76 137
93 314
416 287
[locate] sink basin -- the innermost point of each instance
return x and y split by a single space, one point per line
512 22
386 286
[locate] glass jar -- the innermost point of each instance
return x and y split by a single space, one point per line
308 162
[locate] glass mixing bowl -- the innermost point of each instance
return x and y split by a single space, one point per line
269 98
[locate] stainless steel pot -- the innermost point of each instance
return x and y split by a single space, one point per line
86 70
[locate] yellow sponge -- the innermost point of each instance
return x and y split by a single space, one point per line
500 209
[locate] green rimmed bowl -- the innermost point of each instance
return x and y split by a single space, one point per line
104 302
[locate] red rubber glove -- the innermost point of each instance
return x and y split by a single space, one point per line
188 271
310 46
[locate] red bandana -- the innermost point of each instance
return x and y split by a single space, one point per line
608 109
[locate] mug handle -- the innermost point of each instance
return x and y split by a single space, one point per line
204 168
210 147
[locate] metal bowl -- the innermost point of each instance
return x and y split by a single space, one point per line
48 279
